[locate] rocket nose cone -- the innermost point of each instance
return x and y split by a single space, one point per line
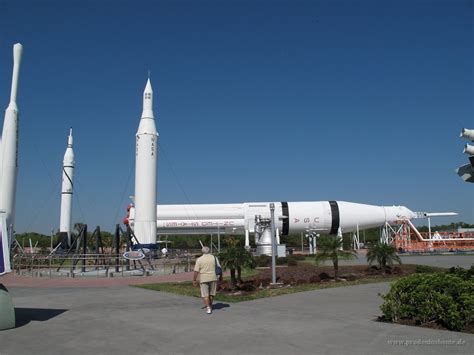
69 138
398 213
17 50
148 87
406 213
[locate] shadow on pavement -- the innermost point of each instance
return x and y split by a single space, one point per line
25 315
220 305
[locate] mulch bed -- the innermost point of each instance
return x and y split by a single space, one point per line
310 274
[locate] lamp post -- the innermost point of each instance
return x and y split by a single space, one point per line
272 219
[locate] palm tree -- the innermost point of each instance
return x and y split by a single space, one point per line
384 254
330 248
234 258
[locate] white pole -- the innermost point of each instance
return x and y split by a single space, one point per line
429 228
272 214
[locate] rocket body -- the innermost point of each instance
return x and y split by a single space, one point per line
323 217
9 145
145 173
67 190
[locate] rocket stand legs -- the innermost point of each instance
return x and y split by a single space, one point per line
7 311
247 239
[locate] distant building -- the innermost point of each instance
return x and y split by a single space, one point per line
465 230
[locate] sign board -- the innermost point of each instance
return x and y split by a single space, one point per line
4 247
281 250
133 255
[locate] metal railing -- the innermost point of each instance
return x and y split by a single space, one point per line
97 265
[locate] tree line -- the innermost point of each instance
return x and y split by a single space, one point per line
369 236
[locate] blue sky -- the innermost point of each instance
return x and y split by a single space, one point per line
360 101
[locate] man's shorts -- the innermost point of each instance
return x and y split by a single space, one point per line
208 288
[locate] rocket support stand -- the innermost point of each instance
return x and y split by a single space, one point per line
141 249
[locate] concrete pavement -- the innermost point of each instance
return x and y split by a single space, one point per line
129 320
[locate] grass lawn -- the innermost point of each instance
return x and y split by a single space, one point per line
187 289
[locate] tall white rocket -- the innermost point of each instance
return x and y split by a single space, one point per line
9 146
67 190
145 172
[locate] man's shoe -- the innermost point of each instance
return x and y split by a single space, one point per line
209 310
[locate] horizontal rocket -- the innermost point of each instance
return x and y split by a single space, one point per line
323 217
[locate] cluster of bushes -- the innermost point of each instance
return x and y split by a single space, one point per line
465 274
425 269
446 299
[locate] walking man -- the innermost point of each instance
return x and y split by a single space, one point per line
206 269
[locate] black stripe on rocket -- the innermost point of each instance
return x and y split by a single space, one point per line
335 217
67 175
286 221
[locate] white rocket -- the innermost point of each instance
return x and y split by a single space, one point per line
322 217
9 146
67 190
318 217
145 173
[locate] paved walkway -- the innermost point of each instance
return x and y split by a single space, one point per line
443 260
11 280
128 320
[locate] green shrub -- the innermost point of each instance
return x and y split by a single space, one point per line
292 262
441 298
324 276
298 257
425 269
464 274
263 260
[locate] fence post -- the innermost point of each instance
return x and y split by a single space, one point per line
84 247
117 247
